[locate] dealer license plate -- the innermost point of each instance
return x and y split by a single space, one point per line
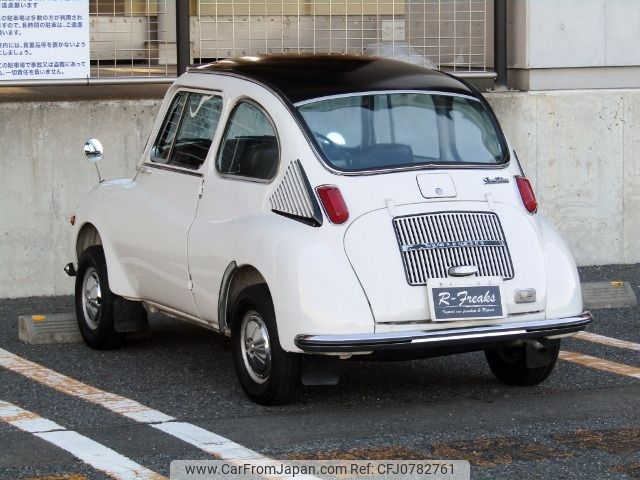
453 301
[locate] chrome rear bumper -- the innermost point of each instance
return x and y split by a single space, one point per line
476 335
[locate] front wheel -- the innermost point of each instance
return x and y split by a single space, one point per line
267 374
511 365
95 302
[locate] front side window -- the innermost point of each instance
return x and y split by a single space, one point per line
387 130
188 130
250 145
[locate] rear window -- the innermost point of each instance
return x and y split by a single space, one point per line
396 130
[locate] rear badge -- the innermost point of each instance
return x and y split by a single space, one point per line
452 244
495 180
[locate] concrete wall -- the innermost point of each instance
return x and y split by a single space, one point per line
43 175
581 149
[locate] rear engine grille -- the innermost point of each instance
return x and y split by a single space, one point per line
431 244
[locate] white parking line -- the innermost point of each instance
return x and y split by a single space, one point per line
216 445
600 364
611 342
221 447
90 452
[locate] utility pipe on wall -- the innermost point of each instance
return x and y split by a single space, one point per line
183 36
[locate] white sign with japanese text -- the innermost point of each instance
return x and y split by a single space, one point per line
46 39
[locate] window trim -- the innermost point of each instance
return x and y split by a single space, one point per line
162 129
173 168
231 176
148 161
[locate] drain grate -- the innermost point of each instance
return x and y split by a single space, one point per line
608 295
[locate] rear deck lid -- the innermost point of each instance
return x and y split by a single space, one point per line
396 256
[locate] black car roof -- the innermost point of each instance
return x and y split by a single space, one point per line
304 77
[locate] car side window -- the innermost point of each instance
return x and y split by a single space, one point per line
250 146
164 142
188 130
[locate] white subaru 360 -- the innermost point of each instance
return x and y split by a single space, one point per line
319 208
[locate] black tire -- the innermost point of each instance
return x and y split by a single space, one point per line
95 311
277 381
509 364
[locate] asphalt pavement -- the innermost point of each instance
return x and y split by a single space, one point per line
582 423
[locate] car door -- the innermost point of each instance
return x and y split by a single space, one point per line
168 187
246 162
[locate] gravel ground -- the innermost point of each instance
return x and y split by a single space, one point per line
580 423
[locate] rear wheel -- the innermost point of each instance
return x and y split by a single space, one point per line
267 374
94 301
511 365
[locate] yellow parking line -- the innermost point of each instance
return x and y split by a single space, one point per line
600 364
610 342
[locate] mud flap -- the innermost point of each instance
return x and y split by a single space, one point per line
541 352
129 317
320 370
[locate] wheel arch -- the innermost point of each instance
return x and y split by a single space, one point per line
236 278
89 235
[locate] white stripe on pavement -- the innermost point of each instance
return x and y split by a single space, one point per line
216 445
611 342
600 364
90 452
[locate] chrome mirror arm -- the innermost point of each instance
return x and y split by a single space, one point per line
100 179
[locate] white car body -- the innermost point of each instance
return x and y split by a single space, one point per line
185 241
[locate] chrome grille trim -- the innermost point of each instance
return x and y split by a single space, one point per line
294 197
432 243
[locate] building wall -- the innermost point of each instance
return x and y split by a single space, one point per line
581 149
573 44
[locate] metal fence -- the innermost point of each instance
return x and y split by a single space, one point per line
137 38
132 38
451 34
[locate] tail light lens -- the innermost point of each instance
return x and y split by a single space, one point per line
333 203
526 193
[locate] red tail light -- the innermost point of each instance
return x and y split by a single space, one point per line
333 203
526 193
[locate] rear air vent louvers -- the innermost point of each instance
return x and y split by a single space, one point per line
432 243
294 197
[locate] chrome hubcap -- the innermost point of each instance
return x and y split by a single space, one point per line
91 298
256 348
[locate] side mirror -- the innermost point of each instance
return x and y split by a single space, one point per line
93 150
